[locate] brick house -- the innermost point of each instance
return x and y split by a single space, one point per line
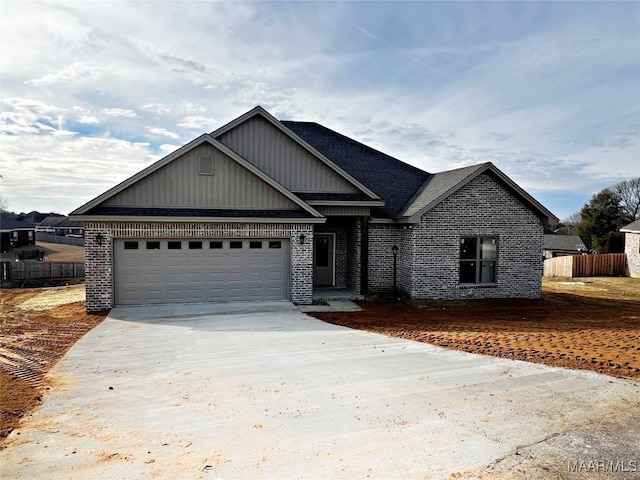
558 245
15 233
269 209
632 247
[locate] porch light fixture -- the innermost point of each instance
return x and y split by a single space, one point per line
302 238
99 239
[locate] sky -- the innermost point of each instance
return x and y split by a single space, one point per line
93 92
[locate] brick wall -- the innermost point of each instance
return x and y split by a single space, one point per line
482 207
381 238
354 238
429 252
99 258
632 249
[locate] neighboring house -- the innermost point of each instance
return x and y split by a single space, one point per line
14 233
560 245
61 225
268 209
34 217
632 247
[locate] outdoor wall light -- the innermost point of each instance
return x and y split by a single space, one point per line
99 239
302 238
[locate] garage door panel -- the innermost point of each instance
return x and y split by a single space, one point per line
145 276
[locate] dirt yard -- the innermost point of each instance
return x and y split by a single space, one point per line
54 252
590 324
38 327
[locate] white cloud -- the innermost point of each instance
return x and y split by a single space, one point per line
88 119
68 74
167 148
61 173
157 108
163 132
551 103
197 122
119 112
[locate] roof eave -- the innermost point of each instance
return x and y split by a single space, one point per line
543 213
139 176
204 138
345 203
172 219
258 110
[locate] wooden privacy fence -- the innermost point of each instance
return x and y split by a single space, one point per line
601 265
25 271
51 238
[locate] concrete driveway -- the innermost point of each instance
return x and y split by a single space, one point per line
264 391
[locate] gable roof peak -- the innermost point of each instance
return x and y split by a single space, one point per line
443 184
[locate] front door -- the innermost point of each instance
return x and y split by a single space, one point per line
323 247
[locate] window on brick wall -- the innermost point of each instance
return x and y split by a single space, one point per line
478 259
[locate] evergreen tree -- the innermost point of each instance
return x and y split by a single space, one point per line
601 216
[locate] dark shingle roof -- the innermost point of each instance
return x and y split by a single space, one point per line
8 223
61 222
394 181
196 212
565 243
438 185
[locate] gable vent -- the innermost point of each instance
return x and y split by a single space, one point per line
205 166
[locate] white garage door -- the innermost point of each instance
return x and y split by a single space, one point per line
156 271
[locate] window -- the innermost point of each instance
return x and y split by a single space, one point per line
15 235
478 257
255 244
130 245
275 244
30 235
205 165
216 244
195 245
153 245
174 245
235 244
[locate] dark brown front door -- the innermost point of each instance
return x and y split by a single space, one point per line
323 247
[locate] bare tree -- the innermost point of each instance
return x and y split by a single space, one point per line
629 194
573 219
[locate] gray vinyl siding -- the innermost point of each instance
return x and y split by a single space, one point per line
178 184
283 159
